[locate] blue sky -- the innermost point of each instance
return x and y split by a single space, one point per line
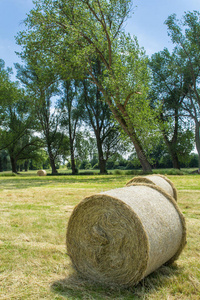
147 23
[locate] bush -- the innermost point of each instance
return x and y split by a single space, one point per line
85 165
134 172
175 172
96 167
193 161
7 174
169 172
117 172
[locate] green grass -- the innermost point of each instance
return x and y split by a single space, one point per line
33 262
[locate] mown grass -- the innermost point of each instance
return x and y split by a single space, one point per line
33 260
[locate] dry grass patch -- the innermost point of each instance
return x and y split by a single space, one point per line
34 265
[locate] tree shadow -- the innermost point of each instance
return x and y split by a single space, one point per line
26 182
76 287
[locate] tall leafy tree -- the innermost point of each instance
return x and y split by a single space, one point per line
72 110
99 117
24 149
169 88
10 95
16 119
17 131
73 35
185 34
40 81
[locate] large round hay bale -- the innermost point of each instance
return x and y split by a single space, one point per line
120 236
41 173
160 180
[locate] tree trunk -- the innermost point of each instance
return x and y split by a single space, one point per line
171 145
197 140
73 165
122 117
102 166
1 164
175 160
146 167
102 161
173 153
13 165
52 162
53 166
26 163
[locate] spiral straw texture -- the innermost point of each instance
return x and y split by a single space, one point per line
120 236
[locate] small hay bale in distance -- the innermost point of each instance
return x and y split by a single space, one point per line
120 236
41 173
159 180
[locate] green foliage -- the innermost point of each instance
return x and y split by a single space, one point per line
73 35
169 89
185 145
39 161
4 161
7 174
83 40
185 34
8 89
85 165
41 82
17 125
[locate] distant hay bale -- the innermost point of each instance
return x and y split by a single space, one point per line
120 236
41 173
160 180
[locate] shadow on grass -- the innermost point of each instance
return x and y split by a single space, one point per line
75 287
26 182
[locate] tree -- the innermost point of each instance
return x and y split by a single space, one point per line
40 160
24 149
10 96
169 88
185 34
73 35
17 131
99 117
16 120
72 111
40 81
84 147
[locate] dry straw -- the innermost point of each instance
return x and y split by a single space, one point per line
41 173
120 236
160 180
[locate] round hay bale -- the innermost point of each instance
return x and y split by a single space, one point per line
120 236
160 180
41 173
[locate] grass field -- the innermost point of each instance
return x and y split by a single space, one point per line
33 262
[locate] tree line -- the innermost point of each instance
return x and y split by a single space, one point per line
87 86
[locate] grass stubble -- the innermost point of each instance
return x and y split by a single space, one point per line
33 259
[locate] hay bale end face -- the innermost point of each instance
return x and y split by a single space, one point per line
120 236
41 173
160 180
